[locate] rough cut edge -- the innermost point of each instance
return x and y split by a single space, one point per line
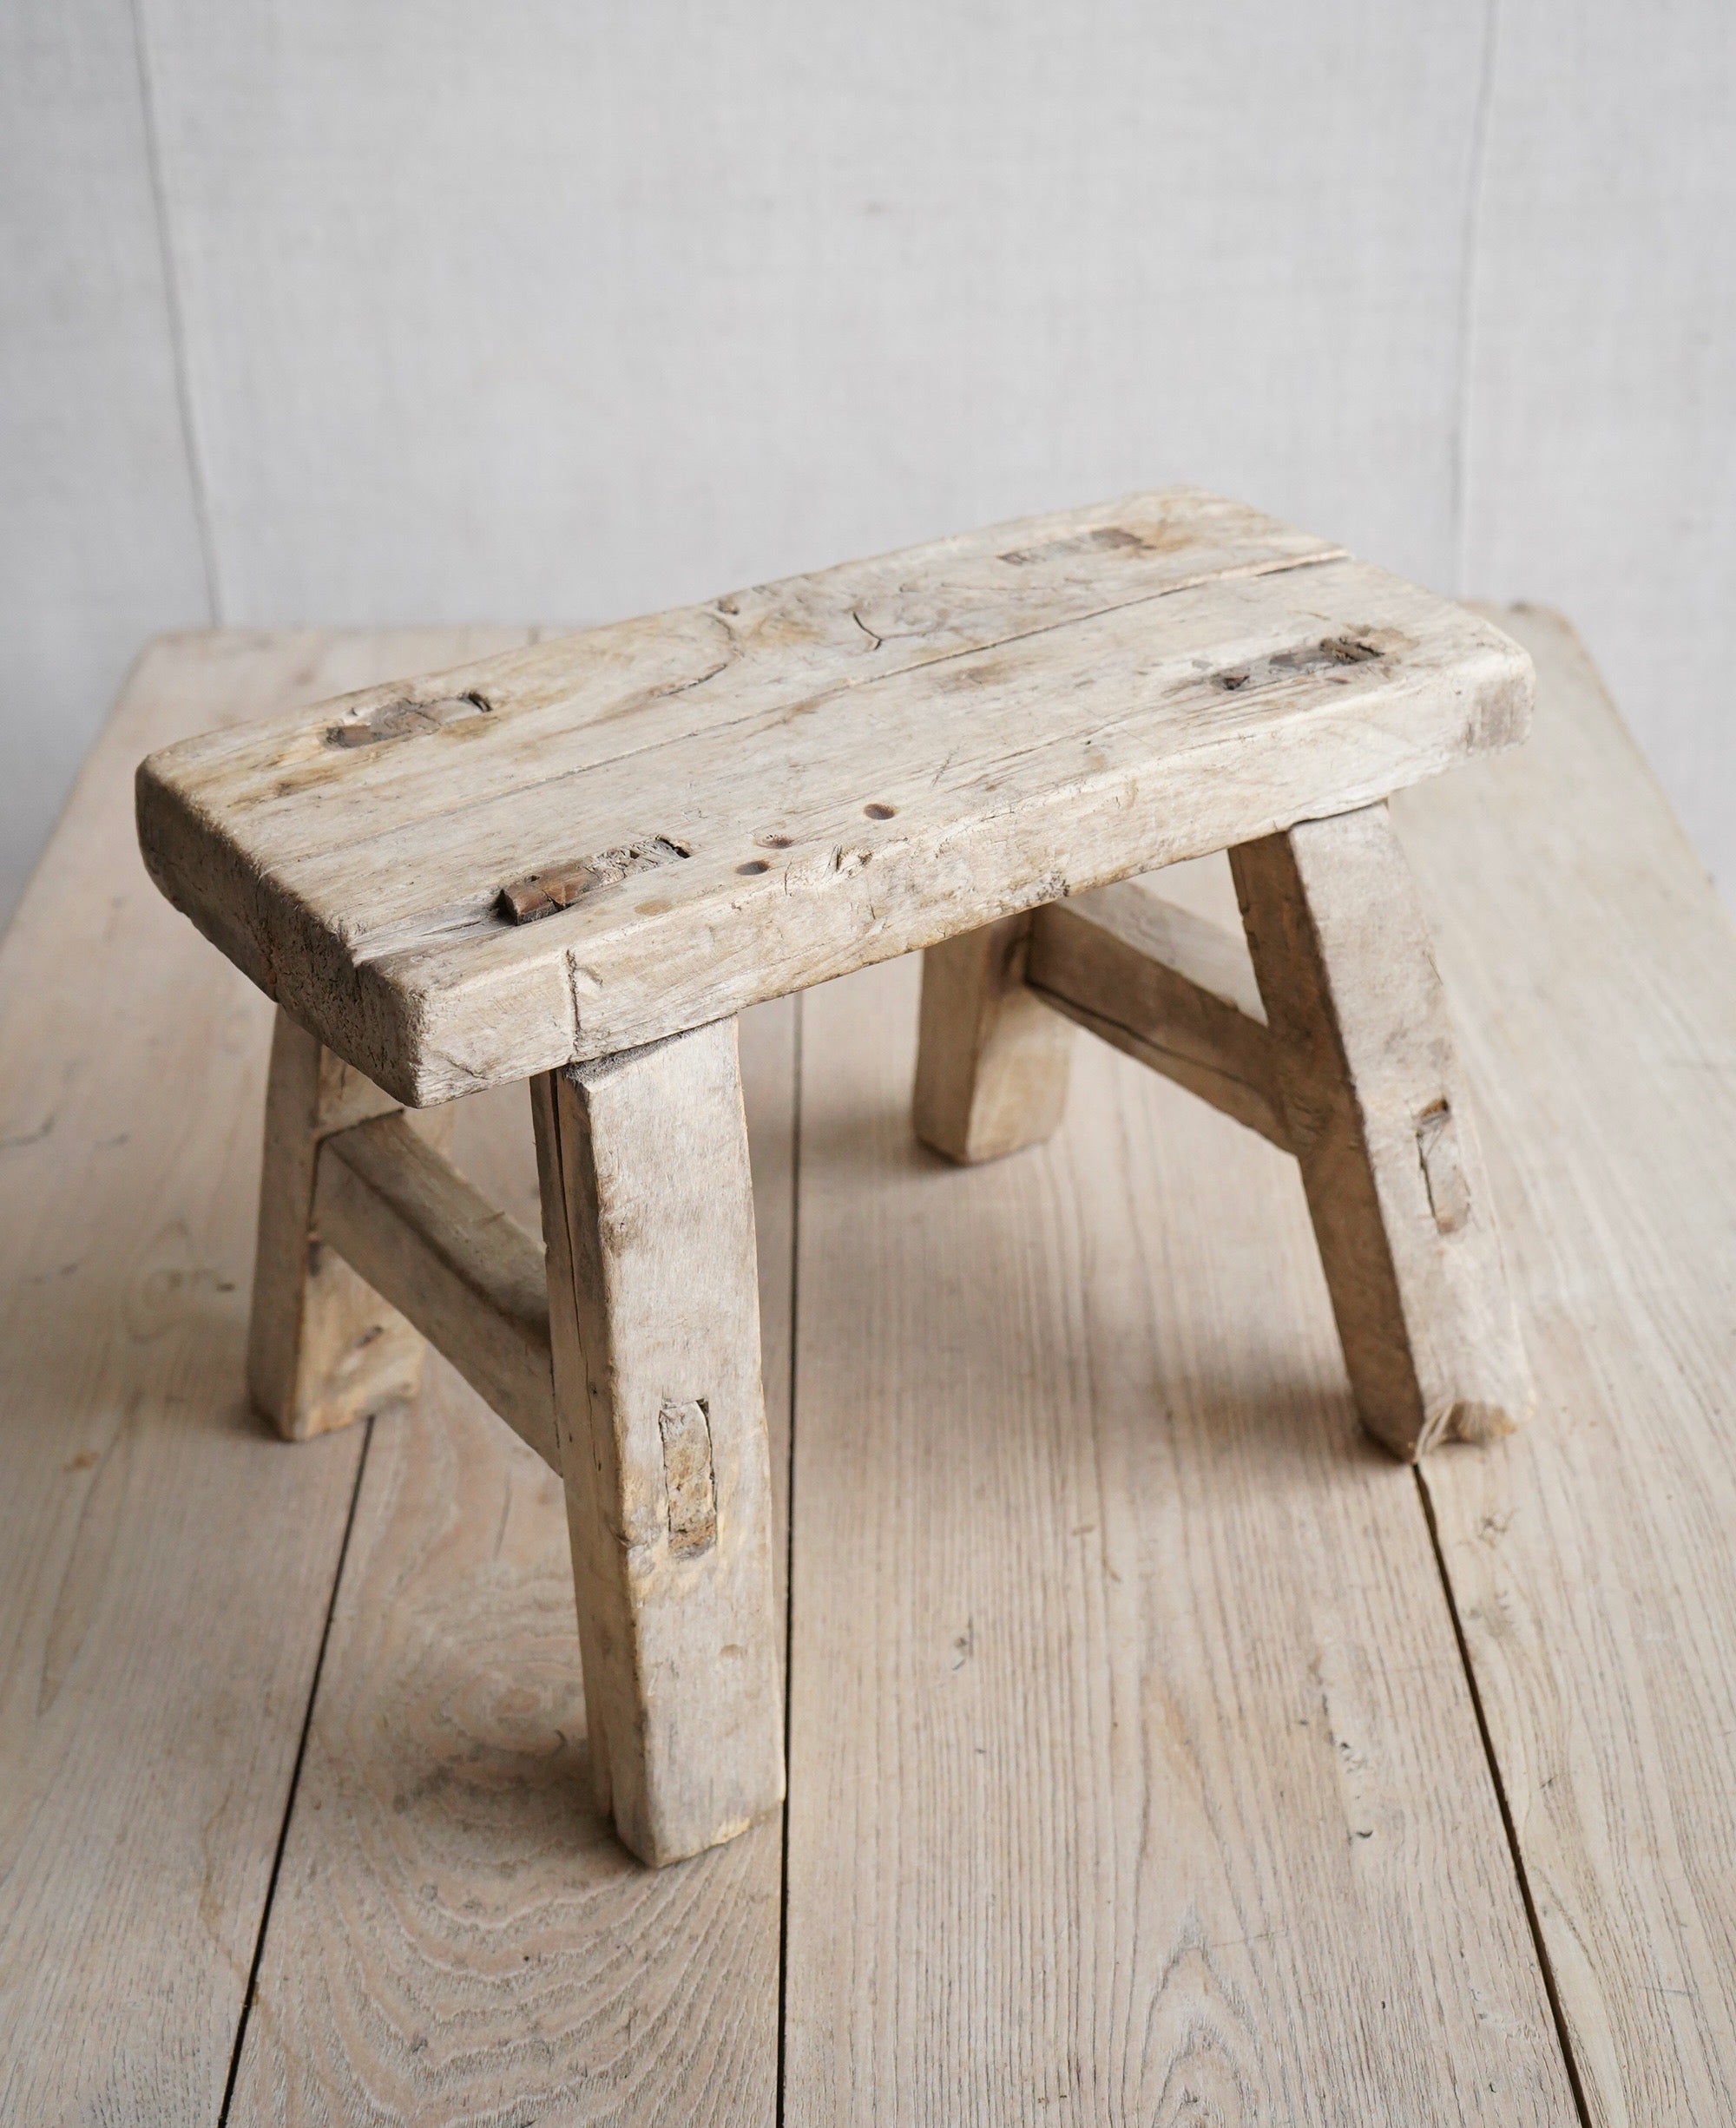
401 1036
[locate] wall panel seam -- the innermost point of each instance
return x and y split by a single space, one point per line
172 298
1469 258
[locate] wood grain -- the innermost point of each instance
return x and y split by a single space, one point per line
661 1425
1134 1775
854 765
991 1058
464 1271
1375 1105
1077 1809
1592 1556
166 1565
1167 986
458 1935
323 1348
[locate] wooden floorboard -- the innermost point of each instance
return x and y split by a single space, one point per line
457 1936
1134 1772
166 1567
1593 1556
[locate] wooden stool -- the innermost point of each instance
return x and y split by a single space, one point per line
574 864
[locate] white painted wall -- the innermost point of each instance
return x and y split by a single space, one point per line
362 310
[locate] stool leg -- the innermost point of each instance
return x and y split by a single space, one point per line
991 1058
323 1348
1375 1105
654 1328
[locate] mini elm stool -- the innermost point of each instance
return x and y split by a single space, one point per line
575 863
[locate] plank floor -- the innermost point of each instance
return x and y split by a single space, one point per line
1160 1751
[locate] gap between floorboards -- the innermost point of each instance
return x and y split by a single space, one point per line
1502 1803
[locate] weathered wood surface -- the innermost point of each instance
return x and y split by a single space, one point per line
165 1564
1167 986
991 1058
457 1936
750 796
1375 1105
464 1957
661 1424
1593 1556
1133 1772
323 1350
465 1272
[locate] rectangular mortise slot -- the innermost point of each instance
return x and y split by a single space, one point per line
689 1485
1443 1175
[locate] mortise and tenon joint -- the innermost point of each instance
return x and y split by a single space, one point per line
575 864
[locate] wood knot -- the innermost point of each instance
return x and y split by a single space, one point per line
1324 657
404 720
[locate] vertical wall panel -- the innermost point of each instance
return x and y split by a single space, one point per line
98 542
568 310
577 309
1601 440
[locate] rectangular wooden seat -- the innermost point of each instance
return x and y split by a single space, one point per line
575 864
582 847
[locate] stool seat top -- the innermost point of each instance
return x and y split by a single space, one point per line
599 841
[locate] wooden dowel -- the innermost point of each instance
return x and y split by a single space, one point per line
469 1278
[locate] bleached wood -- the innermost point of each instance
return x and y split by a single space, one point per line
855 764
1375 1105
662 1438
1593 1555
457 1935
323 1348
1166 987
439 1947
165 1564
991 1057
570 1387
465 1272
1133 1773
